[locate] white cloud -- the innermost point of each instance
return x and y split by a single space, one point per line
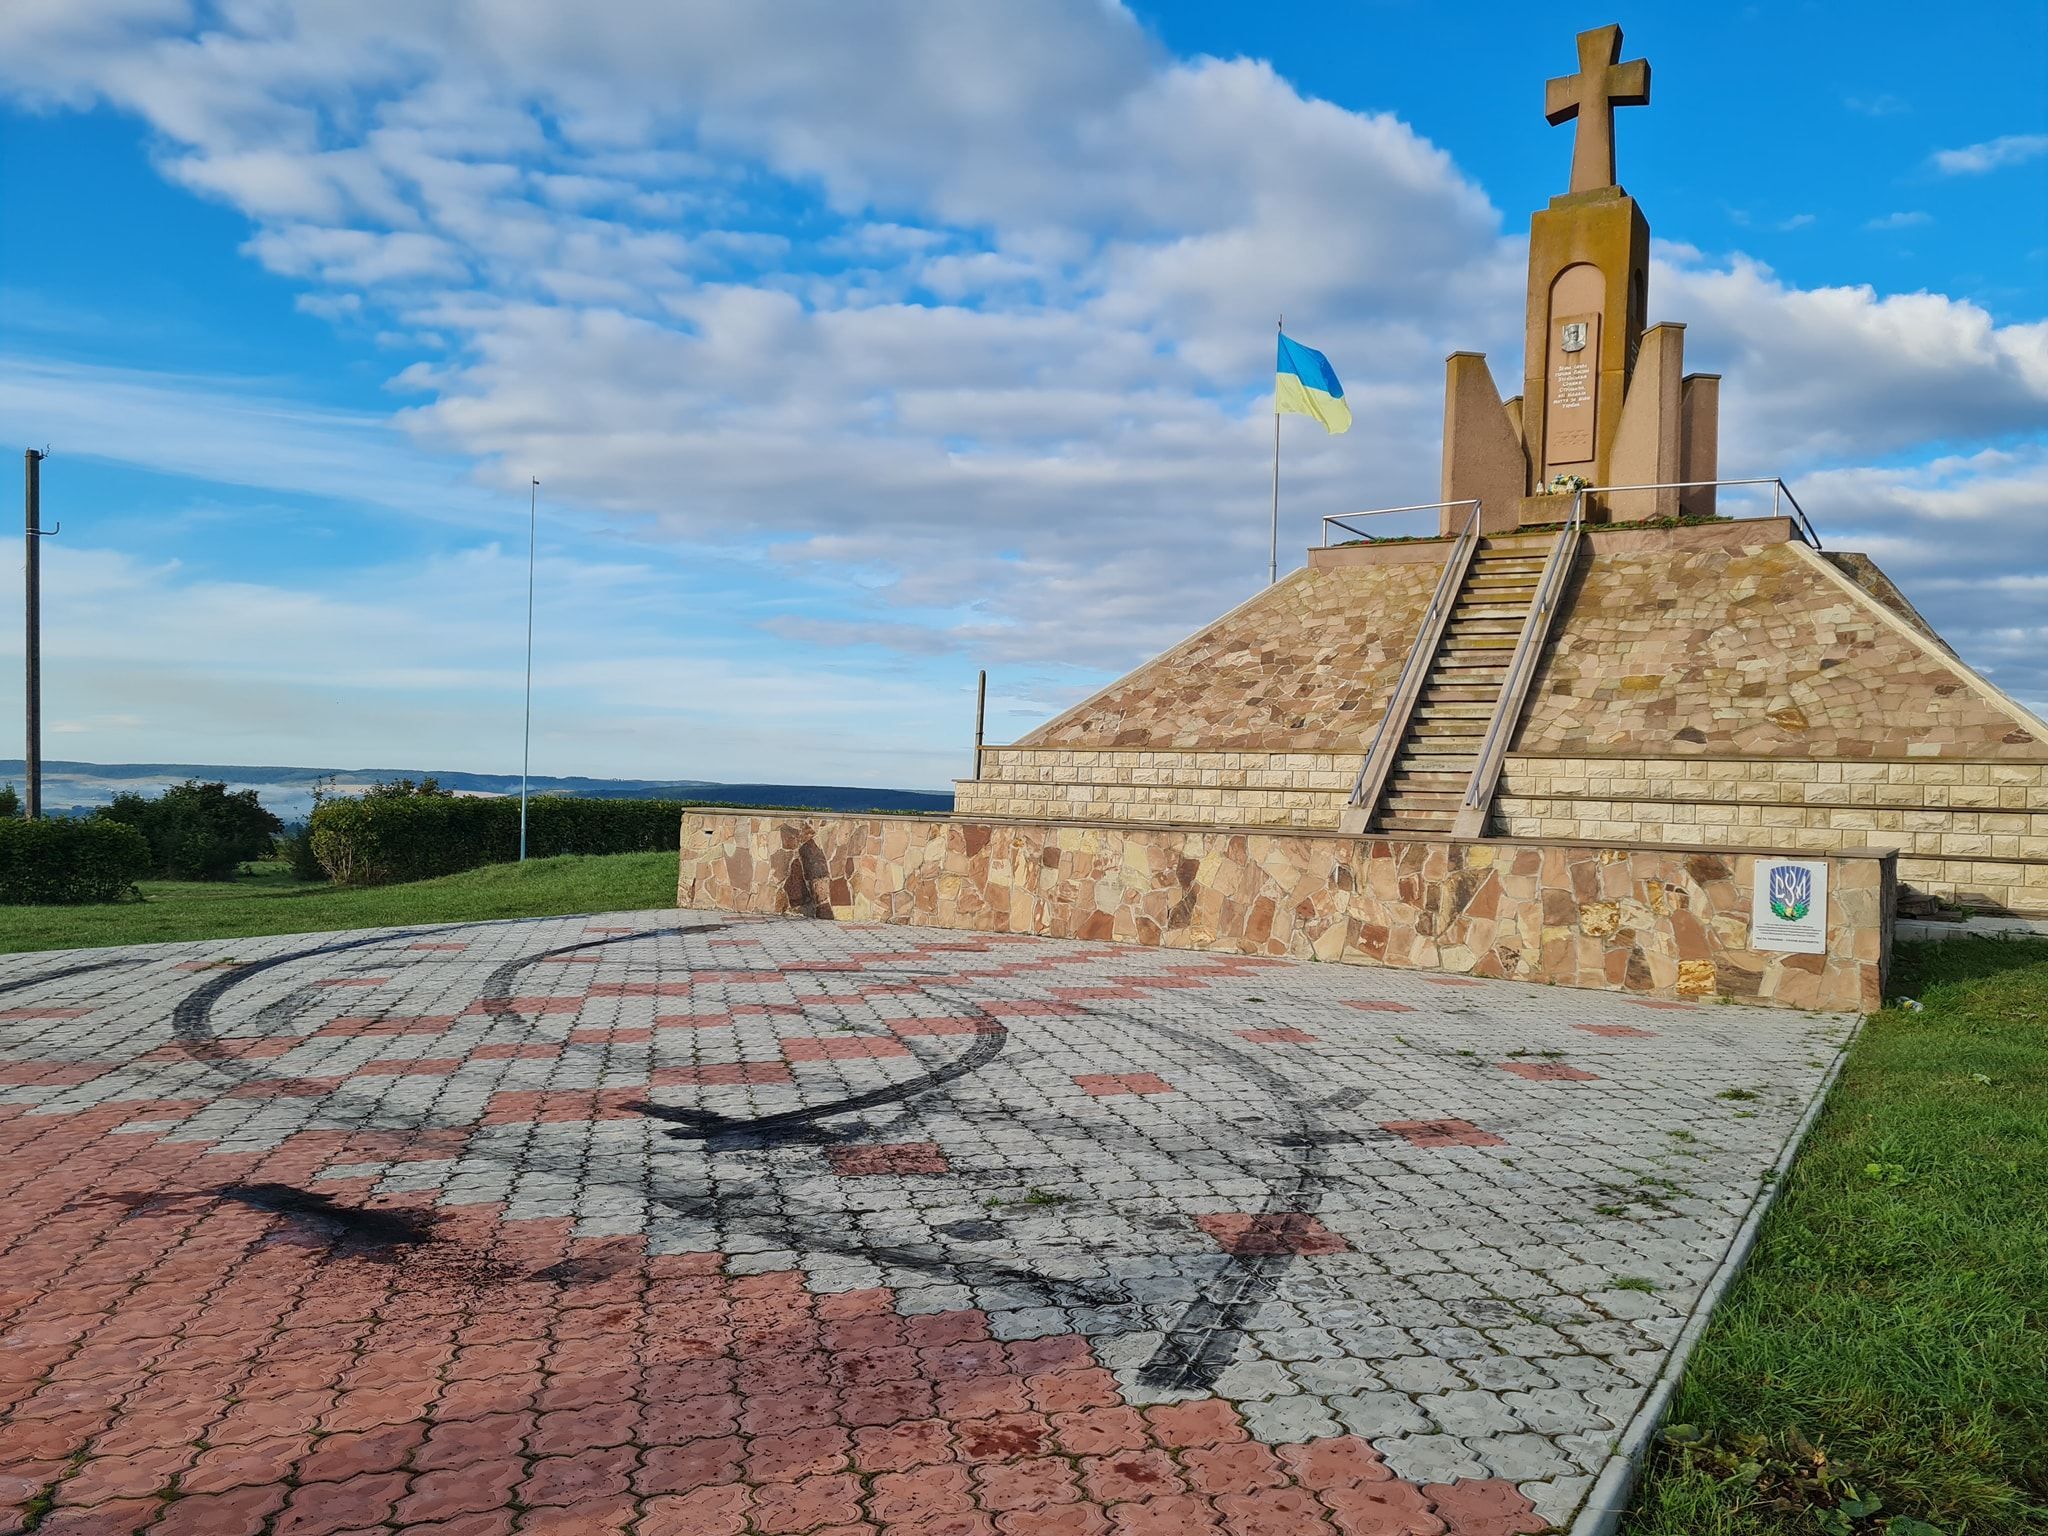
1902 220
1823 375
1991 155
420 665
960 313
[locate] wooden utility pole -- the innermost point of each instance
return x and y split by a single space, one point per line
32 590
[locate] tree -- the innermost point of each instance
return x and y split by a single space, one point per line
10 802
199 831
428 788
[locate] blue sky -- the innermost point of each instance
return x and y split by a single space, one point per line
865 349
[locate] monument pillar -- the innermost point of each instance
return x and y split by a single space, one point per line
1604 398
1589 279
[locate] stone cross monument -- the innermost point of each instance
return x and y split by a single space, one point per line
1604 401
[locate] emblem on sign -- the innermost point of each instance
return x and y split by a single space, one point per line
1574 339
1791 892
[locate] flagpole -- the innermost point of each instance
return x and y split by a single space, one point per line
526 735
1273 563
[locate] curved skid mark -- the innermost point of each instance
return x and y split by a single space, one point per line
1195 1349
39 978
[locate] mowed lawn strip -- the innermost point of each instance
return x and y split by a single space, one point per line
1888 1341
268 900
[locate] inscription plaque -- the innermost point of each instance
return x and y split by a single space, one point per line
1572 383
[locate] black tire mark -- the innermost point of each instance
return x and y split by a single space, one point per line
1205 1337
41 978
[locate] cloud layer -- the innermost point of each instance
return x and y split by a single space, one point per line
962 314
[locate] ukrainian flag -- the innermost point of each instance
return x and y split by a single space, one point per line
1307 385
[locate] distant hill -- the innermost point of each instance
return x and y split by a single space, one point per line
81 787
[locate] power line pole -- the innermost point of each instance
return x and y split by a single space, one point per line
526 744
32 592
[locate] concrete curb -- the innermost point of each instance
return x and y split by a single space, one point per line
1601 1514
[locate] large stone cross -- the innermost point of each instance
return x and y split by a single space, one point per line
1601 85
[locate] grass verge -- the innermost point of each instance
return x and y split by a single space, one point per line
268 900
1882 1363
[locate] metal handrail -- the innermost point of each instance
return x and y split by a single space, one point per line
1781 493
1422 635
1539 610
1420 506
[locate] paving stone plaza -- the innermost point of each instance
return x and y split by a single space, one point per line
682 1223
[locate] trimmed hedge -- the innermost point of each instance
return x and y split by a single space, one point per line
67 862
377 840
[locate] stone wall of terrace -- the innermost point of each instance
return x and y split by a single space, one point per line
1657 922
1968 833
1231 789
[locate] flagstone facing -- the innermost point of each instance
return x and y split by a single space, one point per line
1655 921
1753 653
577 1271
1305 666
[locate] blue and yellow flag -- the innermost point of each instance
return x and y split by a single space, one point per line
1307 385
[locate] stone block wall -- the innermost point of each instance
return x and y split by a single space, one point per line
1970 833
1233 789
1658 922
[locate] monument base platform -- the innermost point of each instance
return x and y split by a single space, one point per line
1654 921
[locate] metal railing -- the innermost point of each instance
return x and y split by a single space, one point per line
1781 496
1781 493
1426 635
1420 506
1479 790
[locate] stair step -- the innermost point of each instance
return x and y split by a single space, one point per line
1413 789
1415 821
1475 609
1498 581
1457 693
1485 624
1499 645
1442 803
1456 768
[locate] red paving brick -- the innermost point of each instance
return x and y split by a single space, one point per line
1270 1232
1443 1133
841 1048
1548 1072
1109 1084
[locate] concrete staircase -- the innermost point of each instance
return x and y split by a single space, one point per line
1432 767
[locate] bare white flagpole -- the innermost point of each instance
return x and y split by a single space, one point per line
526 741
1273 564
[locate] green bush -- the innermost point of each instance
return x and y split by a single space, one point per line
198 831
380 838
66 861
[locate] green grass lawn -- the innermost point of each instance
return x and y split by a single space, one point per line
268 900
1889 1339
